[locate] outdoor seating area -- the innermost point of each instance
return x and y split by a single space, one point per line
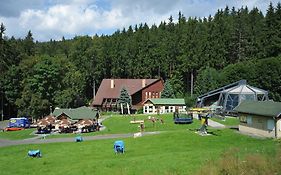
45 126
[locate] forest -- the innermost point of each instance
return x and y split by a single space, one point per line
230 45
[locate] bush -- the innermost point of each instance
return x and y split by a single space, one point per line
140 111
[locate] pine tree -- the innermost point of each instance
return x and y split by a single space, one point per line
168 91
124 98
29 44
271 32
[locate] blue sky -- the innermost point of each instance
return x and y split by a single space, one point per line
52 19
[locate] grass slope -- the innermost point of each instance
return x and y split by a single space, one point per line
17 135
229 121
179 150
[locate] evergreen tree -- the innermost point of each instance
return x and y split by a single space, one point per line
271 41
207 79
168 91
29 44
124 98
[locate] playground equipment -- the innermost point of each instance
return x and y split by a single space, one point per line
182 118
119 147
34 153
78 139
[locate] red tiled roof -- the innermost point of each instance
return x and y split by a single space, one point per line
132 86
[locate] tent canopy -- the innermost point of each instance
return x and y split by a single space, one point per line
230 96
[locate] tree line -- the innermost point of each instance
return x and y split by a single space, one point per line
232 44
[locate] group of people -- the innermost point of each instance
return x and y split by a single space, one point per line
154 120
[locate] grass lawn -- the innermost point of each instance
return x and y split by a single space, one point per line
229 121
17 135
119 124
179 150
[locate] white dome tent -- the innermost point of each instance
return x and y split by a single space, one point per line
230 96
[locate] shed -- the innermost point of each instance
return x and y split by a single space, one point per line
163 105
260 118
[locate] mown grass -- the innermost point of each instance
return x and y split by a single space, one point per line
178 150
171 152
120 124
17 135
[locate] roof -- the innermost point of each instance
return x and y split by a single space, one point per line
132 86
77 113
262 108
245 89
166 101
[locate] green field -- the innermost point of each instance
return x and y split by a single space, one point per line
118 124
178 150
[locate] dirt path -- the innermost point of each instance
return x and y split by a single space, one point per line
37 140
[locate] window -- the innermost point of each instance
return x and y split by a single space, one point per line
270 124
146 109
149 94
145 95
166 109
249 120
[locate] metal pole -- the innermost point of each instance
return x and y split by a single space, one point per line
94 89
191 84
2 105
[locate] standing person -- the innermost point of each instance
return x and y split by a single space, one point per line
142 127
162 120
153 119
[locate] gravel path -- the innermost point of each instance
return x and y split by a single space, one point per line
213 124
37 140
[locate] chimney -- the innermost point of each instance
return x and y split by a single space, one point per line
143 83
111 84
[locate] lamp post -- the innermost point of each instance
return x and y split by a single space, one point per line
51 110
2 111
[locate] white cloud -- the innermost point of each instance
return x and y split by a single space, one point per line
80 17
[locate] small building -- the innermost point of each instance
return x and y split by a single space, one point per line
76 114
163 105
228 97
138 89
262 118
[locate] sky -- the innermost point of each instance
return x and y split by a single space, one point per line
53 19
